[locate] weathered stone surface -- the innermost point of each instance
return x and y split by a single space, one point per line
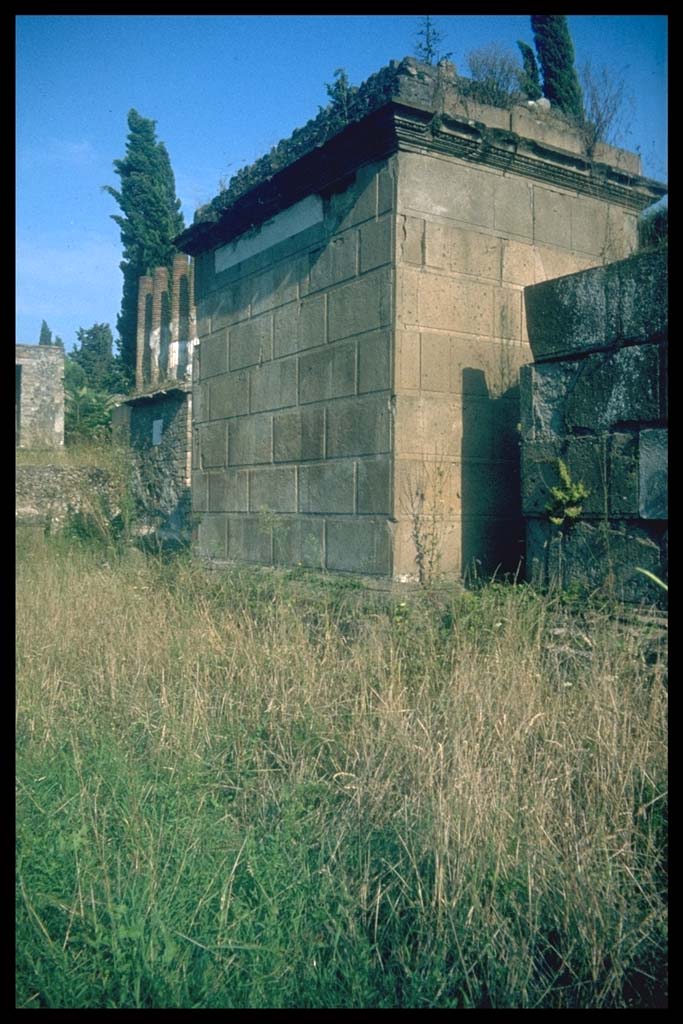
539 474
251 441
375 244
462 251
213 444
361 306
654 474
45 496
273 385
328 487
623 475
374 362
552 217
299 436
513 211
299 326
613 388
213 355
359 426
625 301
39 396
250 539
361 546
329 373
228 491
251 342
213 536
374 487
228 395
335 262
430 187
299 542
272 489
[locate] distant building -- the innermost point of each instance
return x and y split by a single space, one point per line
39 396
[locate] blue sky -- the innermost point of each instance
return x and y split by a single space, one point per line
224 90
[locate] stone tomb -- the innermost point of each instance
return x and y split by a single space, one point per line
361 326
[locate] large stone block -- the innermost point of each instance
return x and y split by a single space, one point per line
272 489
445 188
507 313
327 487
275 287
335 262
229 395
213 536
546 129
623 475
330 373
360 426
273 385
229 491
407 281
410 239
654 474
462 251
364 305
251 441
358 545
589 225
587 462
200 491
213 444
540 473
513 211
459 304
200 401
428 487
445 535
625 301
543 393
552 217
428 425
298 541
518 262
407 361
374 487
250 539
299 436
375 244
550 262
614 388
374 362
213 354
299 326
251 342
227 306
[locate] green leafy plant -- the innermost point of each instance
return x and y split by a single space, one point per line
566 506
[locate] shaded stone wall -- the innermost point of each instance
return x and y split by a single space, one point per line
293 395
361 328
39 396
596 398
157 427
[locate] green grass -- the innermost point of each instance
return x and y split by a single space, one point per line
278 790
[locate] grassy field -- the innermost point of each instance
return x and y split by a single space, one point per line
254 789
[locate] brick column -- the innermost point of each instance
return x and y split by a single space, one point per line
177 342
192 338
144 289
160 285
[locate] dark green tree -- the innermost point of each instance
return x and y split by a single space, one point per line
58 342
529 80
556 56
45 334
150 219
93 353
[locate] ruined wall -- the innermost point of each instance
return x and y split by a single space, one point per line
158 429
39 396
596 397
45 496
166 327
361 326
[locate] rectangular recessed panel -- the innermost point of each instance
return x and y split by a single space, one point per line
285 225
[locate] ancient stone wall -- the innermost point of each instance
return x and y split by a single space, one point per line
157 427
596 398
47 495
361 327
39 396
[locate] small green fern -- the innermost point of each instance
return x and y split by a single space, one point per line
568 497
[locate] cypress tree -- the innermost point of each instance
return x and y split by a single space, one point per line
150 219
45 334
529 80
556 57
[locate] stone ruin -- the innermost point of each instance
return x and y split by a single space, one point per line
39 396
361 325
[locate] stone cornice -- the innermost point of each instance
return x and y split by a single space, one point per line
400 126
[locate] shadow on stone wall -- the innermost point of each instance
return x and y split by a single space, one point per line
492 527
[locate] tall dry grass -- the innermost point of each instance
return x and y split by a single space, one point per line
249 790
